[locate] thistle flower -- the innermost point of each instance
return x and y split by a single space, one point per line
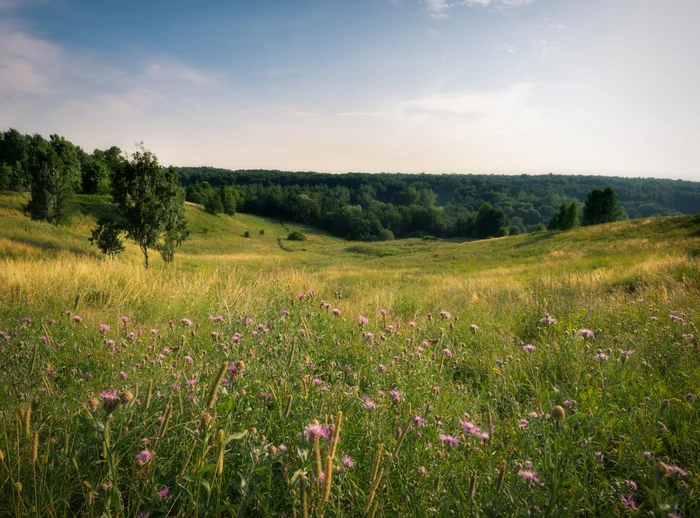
522 423
104 328
449 440
548 320
163 493
368 404
363 320
186 322
144 457
529 476
445 314
315 429
347 462
558 413
628 503
77 319
529 348
586 333
336 311
395 395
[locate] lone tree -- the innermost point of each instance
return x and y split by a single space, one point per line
151 203
602 207
107 237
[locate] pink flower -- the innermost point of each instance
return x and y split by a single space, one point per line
628 503
188 359
529 476
77 319
124 319
522 423
548 320
586 333
123 375
144 457
418 420
348 462
449 440
445 314
382 368
395 395
186 322
336 311
363 320
104 328
368 404
314 429
383 312
447 352
528 348
163 493
422 471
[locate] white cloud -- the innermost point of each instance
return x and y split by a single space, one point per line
480 113
500 3
437 8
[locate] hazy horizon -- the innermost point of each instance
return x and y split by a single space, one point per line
398 86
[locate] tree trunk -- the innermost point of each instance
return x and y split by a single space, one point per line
145 255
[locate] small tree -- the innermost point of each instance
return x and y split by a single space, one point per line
107 237
151 201
566 218
296 236
602 207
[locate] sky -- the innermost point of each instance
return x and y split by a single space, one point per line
605 87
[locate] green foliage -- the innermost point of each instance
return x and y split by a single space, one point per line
213 205
246 233
262 231
151 202
491 222
55 172
107 237
566 218
296 236
602 207
385 235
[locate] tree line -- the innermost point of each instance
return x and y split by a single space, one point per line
148 198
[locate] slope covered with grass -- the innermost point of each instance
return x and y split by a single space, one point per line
549 374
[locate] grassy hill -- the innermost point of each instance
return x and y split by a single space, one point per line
448 391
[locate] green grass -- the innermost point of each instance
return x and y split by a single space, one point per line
635 284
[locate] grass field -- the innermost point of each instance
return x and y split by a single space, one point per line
548 374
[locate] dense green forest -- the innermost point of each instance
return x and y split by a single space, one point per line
356 206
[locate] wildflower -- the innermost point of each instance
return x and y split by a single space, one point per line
648 455
600 357
144 457
110 398
188 359
284 313
124 319
522 423
282 447
186 322
347 462
395 395
631 485
474 328
314 429
104 328
302 296
363 320
449 440
445 314
548 320
77 319
336 311
447 352
422 471
192 382
317 381
675 470
529 476
558 413
628 503
123 375
598 455
586 333
533 415
382 368
302 332
368 404
418 420
529 348
383 312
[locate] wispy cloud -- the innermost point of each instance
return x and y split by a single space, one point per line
500 3
437 8
481 113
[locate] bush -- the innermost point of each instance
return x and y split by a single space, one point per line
385 235
296 236
262 231
246 233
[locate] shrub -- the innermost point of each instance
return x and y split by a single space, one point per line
262 231
385 235
246 233
296 236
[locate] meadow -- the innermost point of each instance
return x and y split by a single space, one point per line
547 374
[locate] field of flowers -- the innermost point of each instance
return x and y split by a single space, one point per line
243 391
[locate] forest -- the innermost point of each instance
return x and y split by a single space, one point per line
356 206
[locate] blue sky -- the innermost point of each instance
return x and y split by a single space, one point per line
468 86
